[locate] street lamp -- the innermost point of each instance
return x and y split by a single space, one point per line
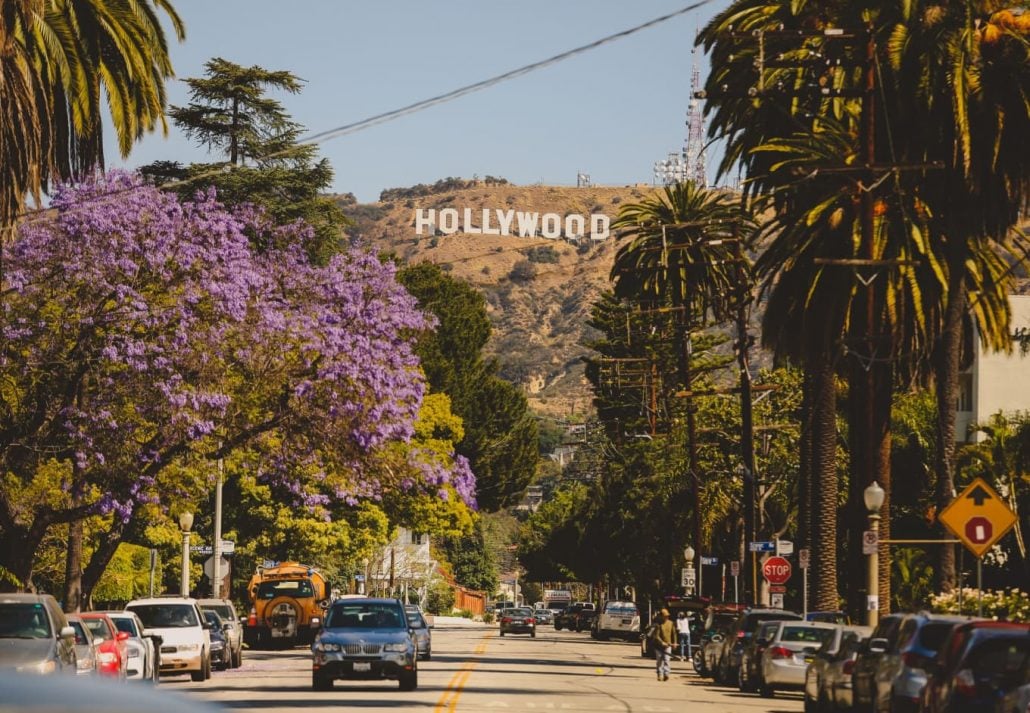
688 555
873 497
185 524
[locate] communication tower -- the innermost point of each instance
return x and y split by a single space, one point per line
694 152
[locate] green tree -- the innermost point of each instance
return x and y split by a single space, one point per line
231 115
58 60
500 434
471 560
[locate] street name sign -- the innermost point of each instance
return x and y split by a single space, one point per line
978 517
710 560
762 546
776 570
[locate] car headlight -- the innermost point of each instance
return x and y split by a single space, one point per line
189 647
216 645
326 646
133 653
396 647
49 666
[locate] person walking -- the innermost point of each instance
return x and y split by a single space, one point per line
664 640
683 634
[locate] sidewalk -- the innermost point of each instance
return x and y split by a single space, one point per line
455 621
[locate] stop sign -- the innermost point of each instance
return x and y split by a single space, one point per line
776 570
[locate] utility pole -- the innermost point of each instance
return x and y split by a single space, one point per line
216 549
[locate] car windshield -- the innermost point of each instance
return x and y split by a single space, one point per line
126 624
98 627
806 634
519 611
222 610
752 621
290 588
933 634
415 620
23 620
213 619
365 615
166 616
80 633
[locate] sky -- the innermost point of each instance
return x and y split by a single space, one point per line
609 113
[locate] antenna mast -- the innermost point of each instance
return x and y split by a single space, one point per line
694 158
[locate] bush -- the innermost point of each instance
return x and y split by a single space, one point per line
523 271
544 253
488 617
440 598
465 613
1011 604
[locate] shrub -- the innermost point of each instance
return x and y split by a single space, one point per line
544 253
523 271
488 618
1011 604
439 598
465 613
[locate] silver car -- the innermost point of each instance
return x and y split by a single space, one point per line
817 692
790 649
86 660
365 639
423 634
233 634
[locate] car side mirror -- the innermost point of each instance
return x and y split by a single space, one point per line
227 626
878 646
67 633
121 636
207 625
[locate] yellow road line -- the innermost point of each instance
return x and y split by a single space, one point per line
449 699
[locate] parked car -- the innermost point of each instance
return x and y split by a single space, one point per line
543 616
112 646
901 672
423 635
1018 699
717 625
749 673
233 633
837 680
365 639
35 634
142 649
828 617
87 663
979 663
577 617
185 636
219 644
518 621
617 620
868 658
743 628
788 652
818 696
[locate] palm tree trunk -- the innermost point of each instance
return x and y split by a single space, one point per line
823 484
946 368
805 469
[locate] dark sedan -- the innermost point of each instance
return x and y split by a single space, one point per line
365 639
518 621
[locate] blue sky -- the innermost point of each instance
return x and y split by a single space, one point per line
611 112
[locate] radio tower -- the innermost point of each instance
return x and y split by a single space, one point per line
694 151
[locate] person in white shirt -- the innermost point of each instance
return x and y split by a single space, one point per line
683 629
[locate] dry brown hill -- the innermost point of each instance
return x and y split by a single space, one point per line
538 290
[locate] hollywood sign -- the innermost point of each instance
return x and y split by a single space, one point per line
494 221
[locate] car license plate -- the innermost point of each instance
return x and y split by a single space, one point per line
627 621
362 667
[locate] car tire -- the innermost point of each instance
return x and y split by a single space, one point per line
742 683
237 660
321 683
766 691
557 626
429 655
408 681
502 632
198 676
532 634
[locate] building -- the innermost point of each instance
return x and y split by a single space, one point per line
996 381
404 565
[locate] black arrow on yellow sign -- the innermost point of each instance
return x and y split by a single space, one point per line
978 495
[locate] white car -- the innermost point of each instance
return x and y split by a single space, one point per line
618 620
142 654
185 639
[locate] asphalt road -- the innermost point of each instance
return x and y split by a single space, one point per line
473 670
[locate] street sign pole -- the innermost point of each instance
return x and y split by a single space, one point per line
736 593
216 576
980 587
804 592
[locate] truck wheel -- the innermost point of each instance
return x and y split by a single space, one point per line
408 681
321 683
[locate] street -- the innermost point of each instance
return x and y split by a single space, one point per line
473 669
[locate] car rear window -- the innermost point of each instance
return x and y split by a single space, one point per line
806 634
933 634
752 621
98 627
1000 657
221 609
289 588
126 624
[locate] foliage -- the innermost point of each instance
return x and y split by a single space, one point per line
60 60
231 115
1010 604
500 435
440 597
472 563
912 579
488 617
144 335
126 577
542 254
522 271
531 592
444 185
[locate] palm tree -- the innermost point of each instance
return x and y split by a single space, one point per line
682 256
58 60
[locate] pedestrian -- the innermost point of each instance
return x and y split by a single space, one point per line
683 634
664 641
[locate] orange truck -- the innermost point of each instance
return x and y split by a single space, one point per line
287 602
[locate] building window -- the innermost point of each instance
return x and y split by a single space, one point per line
964 398
417 538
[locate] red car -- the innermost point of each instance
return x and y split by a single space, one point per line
112 651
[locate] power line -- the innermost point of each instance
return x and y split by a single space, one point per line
382 118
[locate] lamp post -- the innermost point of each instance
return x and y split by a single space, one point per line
185 524
688 556
873 497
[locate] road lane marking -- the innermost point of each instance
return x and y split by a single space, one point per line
449 699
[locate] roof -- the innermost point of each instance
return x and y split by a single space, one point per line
161 600
22 597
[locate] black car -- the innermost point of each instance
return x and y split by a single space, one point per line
727 668
519 620
578 617
219 642
365 639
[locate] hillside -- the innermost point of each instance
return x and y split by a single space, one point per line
538 290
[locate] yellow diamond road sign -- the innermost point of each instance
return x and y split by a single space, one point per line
978 517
